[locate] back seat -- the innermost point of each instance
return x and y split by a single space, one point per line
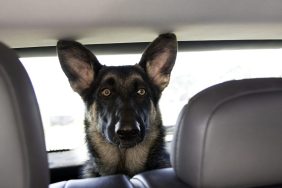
120 181
163 178
228 135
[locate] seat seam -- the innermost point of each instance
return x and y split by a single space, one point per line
145 185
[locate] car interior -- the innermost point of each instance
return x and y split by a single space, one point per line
223 125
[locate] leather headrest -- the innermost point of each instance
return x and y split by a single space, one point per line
23 157
230 135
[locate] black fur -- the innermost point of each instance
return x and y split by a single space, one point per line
123 125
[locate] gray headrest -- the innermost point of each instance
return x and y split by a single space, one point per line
23 158
230 135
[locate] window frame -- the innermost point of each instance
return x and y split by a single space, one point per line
135 48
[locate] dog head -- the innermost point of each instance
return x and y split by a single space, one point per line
121 101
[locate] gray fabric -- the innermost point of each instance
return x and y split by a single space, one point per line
162 178
23 158
230 135
114 181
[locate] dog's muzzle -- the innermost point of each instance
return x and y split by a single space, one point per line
128 134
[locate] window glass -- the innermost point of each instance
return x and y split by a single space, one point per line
63 111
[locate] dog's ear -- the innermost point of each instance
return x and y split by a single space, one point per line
158 59
78 63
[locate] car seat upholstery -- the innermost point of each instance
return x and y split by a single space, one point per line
229 135
23 160
113 181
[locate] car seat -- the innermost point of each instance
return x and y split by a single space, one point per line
23 157
228 135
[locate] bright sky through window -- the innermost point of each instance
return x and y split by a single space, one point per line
63 111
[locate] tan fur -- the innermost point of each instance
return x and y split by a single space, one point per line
153 67
86 74
136 157
111 156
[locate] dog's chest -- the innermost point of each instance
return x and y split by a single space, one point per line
130 161
135 159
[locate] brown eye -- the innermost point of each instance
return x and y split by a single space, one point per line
106 92
141 92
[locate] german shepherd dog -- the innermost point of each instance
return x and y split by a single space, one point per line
124 131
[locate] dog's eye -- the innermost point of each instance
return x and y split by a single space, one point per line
106 92
141 92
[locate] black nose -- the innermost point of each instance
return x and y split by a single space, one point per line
123 134
127 131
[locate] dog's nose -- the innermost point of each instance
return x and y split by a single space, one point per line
123 134
127 131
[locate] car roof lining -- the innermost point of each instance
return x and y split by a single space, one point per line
34 23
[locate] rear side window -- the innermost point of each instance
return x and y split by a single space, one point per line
63 111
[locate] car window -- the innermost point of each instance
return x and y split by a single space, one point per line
63 111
